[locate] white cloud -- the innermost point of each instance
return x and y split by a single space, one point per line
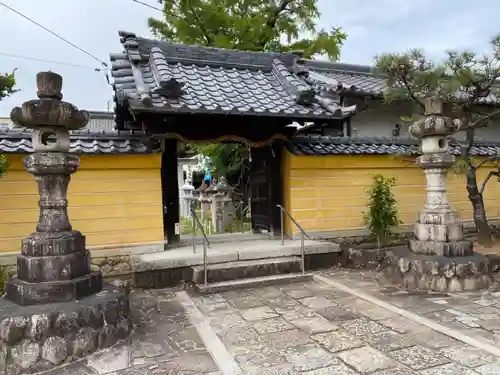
373 27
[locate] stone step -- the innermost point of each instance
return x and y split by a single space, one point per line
246 269
253 282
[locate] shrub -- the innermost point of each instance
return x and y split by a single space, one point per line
3 164
382 215
4 277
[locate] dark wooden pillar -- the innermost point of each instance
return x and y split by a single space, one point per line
266 189
276 188
170 192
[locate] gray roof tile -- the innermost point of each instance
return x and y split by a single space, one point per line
82 142
324 145
100 121
97 137
214 81
362 79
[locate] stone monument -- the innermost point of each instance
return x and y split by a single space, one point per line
204 200
57 309
438 257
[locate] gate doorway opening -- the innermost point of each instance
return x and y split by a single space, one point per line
233 188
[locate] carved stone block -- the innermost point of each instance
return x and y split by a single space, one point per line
54 267
437 217
53 243
436 160
439 232
53 139
26 293
448 249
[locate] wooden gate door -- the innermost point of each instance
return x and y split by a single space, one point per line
265 188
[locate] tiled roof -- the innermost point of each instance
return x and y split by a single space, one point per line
82 142
101 122
324 145
361 79
97 137
157 76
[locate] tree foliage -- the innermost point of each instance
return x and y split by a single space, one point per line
251 25
382 215
7 83
464 80
226 159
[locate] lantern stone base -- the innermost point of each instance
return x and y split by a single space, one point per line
26 293
436 272
38 337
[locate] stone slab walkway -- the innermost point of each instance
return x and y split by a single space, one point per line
308 328
475 314
164 342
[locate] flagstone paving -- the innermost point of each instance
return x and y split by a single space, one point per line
306 328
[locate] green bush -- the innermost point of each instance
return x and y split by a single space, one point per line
4 276
382 215
3 164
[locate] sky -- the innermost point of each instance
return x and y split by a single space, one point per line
373 27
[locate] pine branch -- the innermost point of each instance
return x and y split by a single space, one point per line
490 175
486 161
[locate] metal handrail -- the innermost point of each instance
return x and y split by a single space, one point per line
205 243
196 220
302 235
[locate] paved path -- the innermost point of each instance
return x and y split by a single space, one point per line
351 328
164 342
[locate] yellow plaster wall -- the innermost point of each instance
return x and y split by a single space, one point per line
328 193
113 200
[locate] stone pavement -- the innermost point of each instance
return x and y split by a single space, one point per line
475 314
308 328
164 342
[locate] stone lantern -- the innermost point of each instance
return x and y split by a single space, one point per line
228 209
204 200
438 257
54 265
57 306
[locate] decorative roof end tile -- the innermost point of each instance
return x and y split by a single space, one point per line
166 85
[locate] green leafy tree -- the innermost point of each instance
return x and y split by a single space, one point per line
7 83
382 216
252 25
226 159
463 80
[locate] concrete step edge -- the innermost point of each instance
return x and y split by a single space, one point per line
246 263
225 286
